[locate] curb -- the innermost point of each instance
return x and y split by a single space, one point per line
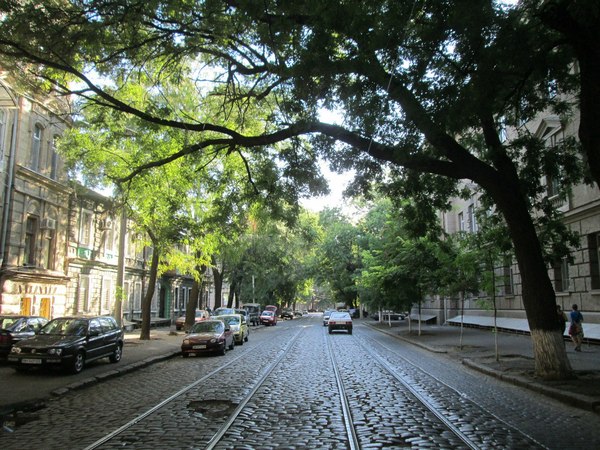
572 399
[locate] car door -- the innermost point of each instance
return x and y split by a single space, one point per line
95 339
111 333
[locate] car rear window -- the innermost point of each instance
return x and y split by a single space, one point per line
339 315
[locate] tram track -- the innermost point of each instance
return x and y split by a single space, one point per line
213 440
449 408
294 386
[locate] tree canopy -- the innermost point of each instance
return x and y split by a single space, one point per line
422 87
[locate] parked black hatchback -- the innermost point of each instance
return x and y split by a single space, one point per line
70 342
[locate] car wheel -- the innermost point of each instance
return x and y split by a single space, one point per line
185 355
330 331
246 338
117 354
224 349
350 331
21 368
232 346
241 342
77 363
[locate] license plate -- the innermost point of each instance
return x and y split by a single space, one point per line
198 347
31 361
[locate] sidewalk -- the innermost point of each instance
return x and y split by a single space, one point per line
515 362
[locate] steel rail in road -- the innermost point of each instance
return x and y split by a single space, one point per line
163 403
353 441
424 400
223 428
261 381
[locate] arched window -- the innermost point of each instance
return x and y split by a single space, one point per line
31 229
36 147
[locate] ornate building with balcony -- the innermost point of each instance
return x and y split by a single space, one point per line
59 241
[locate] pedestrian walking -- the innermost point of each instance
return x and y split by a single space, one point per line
576 328
562 319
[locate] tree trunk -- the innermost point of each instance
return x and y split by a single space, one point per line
192 305
539 300
230 296
147 300
218 283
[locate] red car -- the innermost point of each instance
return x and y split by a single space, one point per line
208 336
268 318
200 316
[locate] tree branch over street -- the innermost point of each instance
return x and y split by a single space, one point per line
422 87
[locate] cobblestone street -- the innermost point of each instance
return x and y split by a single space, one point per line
282 382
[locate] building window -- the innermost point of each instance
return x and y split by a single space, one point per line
552 186
53 159
508 276
36 147
85 228
49 249
472 219
561 276
84 293
594 250
107 287
461 222
31 228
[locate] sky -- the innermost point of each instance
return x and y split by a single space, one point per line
335 199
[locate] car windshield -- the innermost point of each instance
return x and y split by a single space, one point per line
208 327
66 327
267 313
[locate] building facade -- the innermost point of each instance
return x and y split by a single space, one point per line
33 239
576 279
59 241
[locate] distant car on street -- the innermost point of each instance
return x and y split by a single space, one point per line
326 315
199 316
254 310
16 328
268 318
287 314
239 326
223 310
339 320
388 315
70 342
208 336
